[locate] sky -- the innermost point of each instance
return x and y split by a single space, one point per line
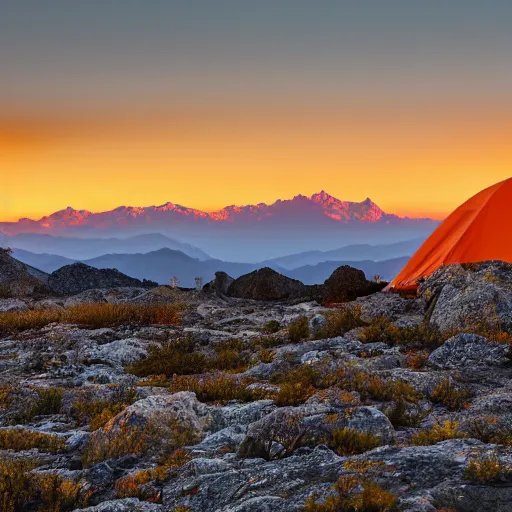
216 102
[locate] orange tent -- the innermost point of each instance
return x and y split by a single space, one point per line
476 231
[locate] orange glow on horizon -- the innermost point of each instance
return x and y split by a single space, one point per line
421 163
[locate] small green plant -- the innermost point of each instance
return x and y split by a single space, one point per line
299 329
271 327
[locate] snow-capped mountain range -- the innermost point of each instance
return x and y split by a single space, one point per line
318 208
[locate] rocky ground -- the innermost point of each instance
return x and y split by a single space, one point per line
383 403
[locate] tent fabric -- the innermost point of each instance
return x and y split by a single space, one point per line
478 230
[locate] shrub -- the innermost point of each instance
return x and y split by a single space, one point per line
439 432
374 387
20 488
265 355
447 394
214 387
131 486
298 329
48 401
162 434
294 393
265 342
340 321
416 360
19 439
487 469
271 327
229 356
348 441
348 498
299 384
175 459
405 414
422 336
491 429
98 412
178 357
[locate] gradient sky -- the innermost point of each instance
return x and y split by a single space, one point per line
218 102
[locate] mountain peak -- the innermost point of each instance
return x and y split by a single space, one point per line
318 208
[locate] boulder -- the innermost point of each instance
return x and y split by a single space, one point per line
219 285
79 277
467 351
162 414
289 428
267 284
347 283
460 296
125 505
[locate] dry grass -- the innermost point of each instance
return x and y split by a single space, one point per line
158 435
86 409
347 497
487 469
340 321
18 439
436 434
348 441
215 387
298 329
46 402
20 489
450 396
177 357
93 316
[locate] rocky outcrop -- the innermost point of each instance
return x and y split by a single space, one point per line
468 351
18 279
79 277
267 284
347 283
261 423
283 431
460 296
219 285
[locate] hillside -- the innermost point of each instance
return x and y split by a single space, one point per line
76 248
